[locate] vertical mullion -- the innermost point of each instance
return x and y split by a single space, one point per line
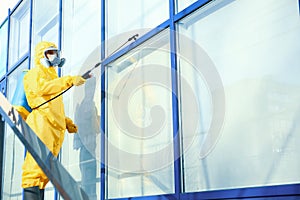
59 31
175 114
102 103
30 32
8 39
59 45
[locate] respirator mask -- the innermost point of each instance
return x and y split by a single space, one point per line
52 57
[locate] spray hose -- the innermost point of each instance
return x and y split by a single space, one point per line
87 75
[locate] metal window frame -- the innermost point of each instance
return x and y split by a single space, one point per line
288 190
19 15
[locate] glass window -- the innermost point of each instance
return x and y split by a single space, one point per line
123 17
182 4
19 33
3 48
139 121
81 48
13 148
247 90
45 23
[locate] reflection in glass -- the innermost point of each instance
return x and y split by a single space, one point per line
256 58
88 121
139 122
81 48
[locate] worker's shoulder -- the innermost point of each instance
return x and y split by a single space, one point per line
35 70
32 74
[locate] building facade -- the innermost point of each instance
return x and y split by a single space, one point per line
192 100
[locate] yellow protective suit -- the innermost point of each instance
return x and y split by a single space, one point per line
48 121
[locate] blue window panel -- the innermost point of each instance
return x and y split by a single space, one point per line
287 192
175 112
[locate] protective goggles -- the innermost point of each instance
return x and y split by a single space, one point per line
52 51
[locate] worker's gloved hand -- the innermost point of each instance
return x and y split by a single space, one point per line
70 126
78 80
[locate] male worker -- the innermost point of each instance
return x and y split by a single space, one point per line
48 121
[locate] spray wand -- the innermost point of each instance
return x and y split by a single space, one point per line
87 75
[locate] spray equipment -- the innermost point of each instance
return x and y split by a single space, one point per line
87 74
19 99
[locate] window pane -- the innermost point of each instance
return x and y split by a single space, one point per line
125 16
45 24
81 48
3 48
139 122
19 33
182 4
13 149
256 58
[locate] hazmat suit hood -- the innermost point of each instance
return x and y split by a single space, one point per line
40 55
39 51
